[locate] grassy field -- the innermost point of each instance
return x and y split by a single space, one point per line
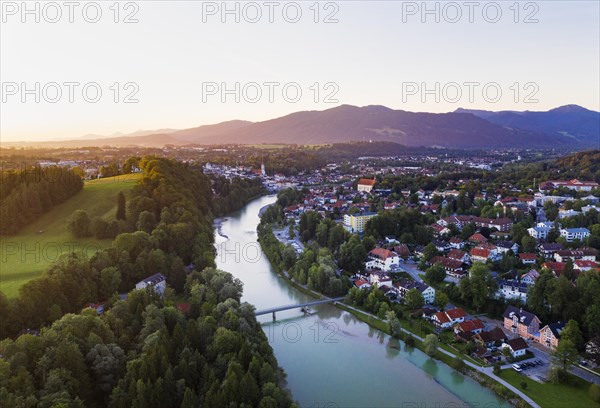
548 395
26 255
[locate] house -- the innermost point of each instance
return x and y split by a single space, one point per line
490 338
586 254
505 246
459 255
572 234
539 232
557 268
156 281
441 246
452 267
362 284
357 222
405 285
517 346
402 251
365 185
449 318
528 258
381 258
584 265
521 322
501 224
457 243
477 238
469 326
550 334
574 184
530 277
480 254
547 250
567 213
379 278
512 289
439 230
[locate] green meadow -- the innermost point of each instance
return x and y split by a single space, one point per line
27 254
548 395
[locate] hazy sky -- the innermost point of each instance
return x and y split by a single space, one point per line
179 54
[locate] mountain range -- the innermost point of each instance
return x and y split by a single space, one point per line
568 126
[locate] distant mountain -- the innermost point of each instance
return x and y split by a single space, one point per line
573 121
210 132
122 141
377 123
133 134
565 127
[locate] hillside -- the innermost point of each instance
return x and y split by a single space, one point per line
579 124
27 254
378 123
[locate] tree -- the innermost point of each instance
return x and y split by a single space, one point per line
393 324
429 251
565 355
435 274
529 243
431 344
458 364
79 224
121 206
441 299
572 333
478 287
414 299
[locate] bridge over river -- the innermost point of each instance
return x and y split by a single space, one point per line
296 306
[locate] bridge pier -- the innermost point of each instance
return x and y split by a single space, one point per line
274 316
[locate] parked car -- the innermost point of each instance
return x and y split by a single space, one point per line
517 367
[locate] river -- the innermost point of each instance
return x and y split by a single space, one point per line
331 358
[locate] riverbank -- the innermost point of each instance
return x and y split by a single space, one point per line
488 379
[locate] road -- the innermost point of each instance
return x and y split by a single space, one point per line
412 270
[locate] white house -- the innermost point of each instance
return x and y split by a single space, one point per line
512 289
517 346
157 281
381 258
530 277
379 278
571 234
403 286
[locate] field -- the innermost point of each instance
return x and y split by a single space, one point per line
26 255
549 395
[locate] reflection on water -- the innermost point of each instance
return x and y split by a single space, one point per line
330 357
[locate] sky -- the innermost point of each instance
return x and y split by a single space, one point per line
100 68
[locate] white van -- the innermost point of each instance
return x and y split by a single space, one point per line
517 367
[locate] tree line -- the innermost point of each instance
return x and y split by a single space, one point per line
26 195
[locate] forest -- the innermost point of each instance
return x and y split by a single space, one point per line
143 350
26 194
